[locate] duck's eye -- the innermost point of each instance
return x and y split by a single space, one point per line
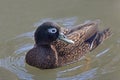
52 30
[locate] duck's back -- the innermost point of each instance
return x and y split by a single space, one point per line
86 37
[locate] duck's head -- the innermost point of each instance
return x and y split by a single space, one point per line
48 32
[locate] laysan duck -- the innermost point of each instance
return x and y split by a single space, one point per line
56 46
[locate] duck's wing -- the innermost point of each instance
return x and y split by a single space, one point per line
67 31
78 34
86 38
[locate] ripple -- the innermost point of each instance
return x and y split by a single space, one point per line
103 52
23 48
27 35
66 22
16 64
14 58
88 75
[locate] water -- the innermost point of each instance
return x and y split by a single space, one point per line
19 19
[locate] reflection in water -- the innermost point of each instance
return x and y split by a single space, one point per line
18 46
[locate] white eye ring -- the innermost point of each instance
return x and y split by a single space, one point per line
52 30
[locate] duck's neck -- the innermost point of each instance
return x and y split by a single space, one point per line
43 45
46 46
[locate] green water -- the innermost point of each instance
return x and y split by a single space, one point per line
19 18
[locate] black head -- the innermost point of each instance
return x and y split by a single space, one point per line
46 33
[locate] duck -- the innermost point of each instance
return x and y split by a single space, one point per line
56 46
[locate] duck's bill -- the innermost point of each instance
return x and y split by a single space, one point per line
65 39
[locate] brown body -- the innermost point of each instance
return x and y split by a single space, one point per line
58 53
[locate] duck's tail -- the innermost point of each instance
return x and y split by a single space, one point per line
106 33
98 38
